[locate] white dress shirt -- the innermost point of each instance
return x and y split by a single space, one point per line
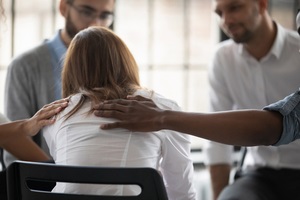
79 141
239 81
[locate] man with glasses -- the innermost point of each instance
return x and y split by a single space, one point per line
33 78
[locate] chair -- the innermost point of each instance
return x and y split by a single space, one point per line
20 172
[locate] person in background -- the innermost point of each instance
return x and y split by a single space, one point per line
257 66
99 66
33 78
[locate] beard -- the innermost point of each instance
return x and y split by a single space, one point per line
247 31
70 27
241 38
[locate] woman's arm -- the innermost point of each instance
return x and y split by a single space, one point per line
14 135
24 148
30 127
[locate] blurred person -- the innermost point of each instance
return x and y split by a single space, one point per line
257 66
99 66
34 77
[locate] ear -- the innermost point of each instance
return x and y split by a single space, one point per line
63 6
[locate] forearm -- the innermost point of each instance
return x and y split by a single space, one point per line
11 130
242 128
219 175
24 148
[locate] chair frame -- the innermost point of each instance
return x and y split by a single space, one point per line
150 181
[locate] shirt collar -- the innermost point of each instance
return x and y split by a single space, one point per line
57 45
276 49
298 21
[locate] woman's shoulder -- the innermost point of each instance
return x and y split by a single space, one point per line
158 99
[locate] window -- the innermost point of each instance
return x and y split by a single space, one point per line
172 42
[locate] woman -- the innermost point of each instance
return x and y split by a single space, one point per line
98 66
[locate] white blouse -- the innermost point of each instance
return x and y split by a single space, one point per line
79 141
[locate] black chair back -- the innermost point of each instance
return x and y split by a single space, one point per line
20 172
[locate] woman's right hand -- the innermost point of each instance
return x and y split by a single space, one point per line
45 116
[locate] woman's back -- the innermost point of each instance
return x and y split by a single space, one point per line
79 141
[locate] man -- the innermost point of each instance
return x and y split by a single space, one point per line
33 78
257 66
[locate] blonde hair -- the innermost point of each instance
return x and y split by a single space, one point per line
99 65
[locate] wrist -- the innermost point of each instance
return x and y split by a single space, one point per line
164 119
24 127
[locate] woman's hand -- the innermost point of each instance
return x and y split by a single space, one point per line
45 116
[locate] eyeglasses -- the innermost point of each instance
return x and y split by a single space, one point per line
88 15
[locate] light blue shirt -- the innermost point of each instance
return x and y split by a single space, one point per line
289 107
58 50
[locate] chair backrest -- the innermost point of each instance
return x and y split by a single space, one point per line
19 172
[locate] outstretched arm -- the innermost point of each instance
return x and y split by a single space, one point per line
243 128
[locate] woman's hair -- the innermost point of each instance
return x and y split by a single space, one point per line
99 65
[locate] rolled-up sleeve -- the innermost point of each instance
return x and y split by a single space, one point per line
289 108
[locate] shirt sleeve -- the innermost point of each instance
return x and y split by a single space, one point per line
217 153
289 108
18 101
177 166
